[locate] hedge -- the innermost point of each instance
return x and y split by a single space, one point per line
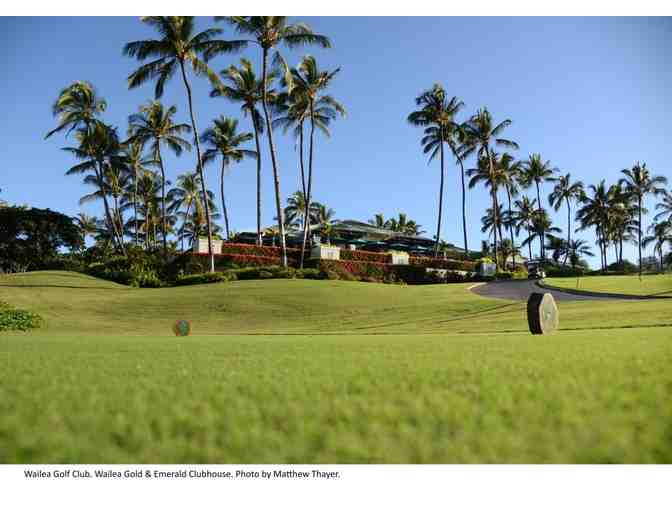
455 265
366 256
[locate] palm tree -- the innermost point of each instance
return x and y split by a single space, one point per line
99 148
638 183
78 108
484 135
305 84
594 212
534 172
491 222
154 124
661 233
665 207
185 195
241 85
566 191
403 225
87 225
378 221
436 115
224 140
138 163
270 32
295 211
177 48
523 218
508 176
575 249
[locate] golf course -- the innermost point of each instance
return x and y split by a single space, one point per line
306 371
648 285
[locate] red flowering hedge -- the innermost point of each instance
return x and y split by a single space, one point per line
240 260
259 251
455 265
356 268
366 256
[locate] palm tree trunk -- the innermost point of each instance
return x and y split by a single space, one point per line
199 166
276 178
135 208
110 221
493 195
464 209
256 141
221 189
301 166
569 231
307 196
513 245
542 238
164 229
639 236
186 217
438 222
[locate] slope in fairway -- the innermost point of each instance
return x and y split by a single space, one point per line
352 373
649 285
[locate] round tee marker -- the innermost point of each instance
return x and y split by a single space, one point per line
542 314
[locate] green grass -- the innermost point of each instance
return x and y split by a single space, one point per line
649 285
335 372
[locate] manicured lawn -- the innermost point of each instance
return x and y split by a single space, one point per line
335 372
650 285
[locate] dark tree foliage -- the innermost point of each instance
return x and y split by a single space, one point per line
30 237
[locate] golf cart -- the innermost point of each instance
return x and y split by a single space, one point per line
535 269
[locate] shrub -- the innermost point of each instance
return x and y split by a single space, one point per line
503 275
410 274
563 271
15 319
366 256
309 274
197 279
455 265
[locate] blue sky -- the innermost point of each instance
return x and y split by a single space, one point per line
593 95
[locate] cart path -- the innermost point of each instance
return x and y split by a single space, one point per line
520 290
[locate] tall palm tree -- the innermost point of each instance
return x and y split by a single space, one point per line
484 136
99 148
78 108
269 32
154 125
508 176
179 47
491 222
436 114
536 171
565 190
138 163
224 140
660 234
639 183
594 212
241 85
306 84
523 218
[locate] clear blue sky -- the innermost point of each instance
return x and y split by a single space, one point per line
593 95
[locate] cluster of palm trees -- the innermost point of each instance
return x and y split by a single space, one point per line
614 212
114 166
402 224
129 174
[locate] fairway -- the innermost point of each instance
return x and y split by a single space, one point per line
649 285
302 371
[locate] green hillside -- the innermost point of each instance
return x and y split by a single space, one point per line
292 371
649 285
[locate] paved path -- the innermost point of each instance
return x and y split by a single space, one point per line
521 290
